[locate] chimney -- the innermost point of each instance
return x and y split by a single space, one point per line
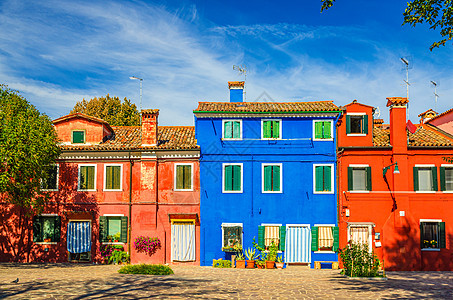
398 136
236 91
149 127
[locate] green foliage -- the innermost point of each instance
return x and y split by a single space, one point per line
358 261
110 109
28 147
279 259
240 256
270 254
119 257
251 254
146 269
221 263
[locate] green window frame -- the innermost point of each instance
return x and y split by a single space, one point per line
420 186
262 236
272 177
78 136
113 177
50 181
322 130
446 178
315 238
232 178
432 234
232 129
87 178
357 124
367 179
46 229
323 178
183 177
271 129
113 228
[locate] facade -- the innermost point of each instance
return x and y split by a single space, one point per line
109 186
267 172
396 187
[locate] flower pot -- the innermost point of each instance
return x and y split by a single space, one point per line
270 264
250 264
240 264
279 265
260 266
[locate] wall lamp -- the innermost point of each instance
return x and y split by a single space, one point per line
395 171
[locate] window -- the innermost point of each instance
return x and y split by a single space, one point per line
359 178
78 136
361 234
271 129
183 177
46 228
446 178
232 178
322 130
272 178
323 178
232 129
50 182
268 233
432 234
231 236
425 178
113 229
357 124
113 177
324 238
87 177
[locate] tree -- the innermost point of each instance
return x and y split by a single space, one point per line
28 148
110 109
438 14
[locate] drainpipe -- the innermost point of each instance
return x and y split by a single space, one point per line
157 187
131 163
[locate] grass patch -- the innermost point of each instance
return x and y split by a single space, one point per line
146 269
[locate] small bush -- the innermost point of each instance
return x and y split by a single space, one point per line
358 261
221 263
146 269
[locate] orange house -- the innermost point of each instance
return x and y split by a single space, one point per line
110 185
396 187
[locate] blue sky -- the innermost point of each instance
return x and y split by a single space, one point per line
58 52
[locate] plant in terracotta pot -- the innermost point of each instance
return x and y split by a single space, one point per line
240 261
279 262
261 263
251 255
271 256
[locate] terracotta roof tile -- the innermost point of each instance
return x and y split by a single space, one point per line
150 111
425 136
396 100
236 83
440 115
279 107
381 137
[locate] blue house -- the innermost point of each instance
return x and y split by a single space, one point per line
267 171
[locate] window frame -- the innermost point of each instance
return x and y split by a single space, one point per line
84 136
332 179
370 227
324 225
434 179
279 127
107 221
279 236
314 130
368 178
223 178
58 180
223 129
95 178
175 177
232 225
442 178
105 177
263 165
51 242
438 221
357 114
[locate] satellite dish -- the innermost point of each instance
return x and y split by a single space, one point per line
377 113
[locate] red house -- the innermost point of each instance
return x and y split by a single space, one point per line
110 185
396 187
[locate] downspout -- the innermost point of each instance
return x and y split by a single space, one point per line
337 171
157 187
131 163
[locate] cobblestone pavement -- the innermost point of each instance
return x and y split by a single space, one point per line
71 281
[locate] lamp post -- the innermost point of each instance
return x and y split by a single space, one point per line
395 171
141 80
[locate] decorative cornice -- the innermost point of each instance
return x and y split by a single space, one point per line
265 115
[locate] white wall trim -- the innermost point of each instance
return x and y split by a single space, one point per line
95 177
262 178
223 178
279 127
191 175
105 177
331 130
332 178
223 129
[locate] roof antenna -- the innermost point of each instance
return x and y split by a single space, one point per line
435 84
406 62
242 70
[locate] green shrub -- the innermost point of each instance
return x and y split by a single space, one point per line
358 261
119 256
146 269
221 263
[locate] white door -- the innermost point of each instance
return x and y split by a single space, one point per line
183 241
297 248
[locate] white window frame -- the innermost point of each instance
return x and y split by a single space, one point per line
47 243
447 166
324 225
105 177
331 130
232 225
332 183
95 177
58 180
430 221
223 129
174 177
262 178
223 178
279 127
356 114
370 233
424 166
112 215
359 166
84 137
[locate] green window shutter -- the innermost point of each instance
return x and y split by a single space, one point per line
37 232
442 239
326 131
434 172
179 177
57 229
421 236
368 178
267 178
109 177
350 187
314 238
319 186
415 179
318 130
276 129
123 230
187 177
236 178
78 137
267 129
276 178
103 229
336 238
117 177
228 178
327 179
281 246
348 124
228 130
365 124
261 236
442 179
82 178
90 177
236 129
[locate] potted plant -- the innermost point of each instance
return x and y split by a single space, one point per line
240 261
261 263
271 256
279 262
251 257
433 244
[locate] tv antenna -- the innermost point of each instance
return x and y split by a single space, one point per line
406 63
435 84
377 112
242 70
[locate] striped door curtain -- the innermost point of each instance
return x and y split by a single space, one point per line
79 236
297 248
182 241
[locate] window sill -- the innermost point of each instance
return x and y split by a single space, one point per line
324 251
232 139
46 243
358 192
120 190
270 139
431 249
325 193
112 243
188 190
323 140
356 134
86 190
447 192
232 192
426 192
272 192
49 190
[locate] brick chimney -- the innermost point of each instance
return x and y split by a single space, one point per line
149 127
236 91
398 136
